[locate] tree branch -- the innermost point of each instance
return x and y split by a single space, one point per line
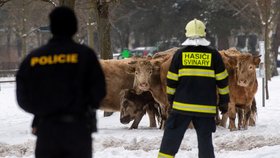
2 2
51 2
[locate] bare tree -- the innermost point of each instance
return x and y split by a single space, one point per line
20 23
68 3
266 14
269 13
263 13
2 2
276 41
101 9
23 22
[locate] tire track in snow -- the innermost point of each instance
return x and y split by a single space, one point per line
247 143
18 150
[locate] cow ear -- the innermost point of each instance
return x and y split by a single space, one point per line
257 60
149 57
232 61
156 66
131 67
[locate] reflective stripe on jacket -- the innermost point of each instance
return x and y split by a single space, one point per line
162 155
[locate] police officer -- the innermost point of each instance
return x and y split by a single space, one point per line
195 75
62 84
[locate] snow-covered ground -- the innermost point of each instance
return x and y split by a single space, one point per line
115 140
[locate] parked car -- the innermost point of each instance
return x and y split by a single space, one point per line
116 55
144 51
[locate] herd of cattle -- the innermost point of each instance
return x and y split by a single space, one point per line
136 86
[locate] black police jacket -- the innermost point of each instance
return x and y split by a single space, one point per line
195 76
61 77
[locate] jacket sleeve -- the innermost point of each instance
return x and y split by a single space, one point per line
22 86
97 89
172 78
221 76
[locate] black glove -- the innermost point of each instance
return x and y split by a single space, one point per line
223 108
223 103
170 99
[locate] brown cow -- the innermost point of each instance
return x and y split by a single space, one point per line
242 84
158 88
134 106
117 78
149 76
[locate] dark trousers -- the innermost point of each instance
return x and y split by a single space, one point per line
176 126
63 140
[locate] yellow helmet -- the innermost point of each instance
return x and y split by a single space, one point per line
195 29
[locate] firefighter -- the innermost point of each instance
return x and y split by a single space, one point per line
62 84
195 75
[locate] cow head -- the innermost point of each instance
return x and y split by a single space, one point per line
143 70
245 67
131 106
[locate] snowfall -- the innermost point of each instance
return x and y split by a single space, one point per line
116 140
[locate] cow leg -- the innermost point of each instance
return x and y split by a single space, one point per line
164 104
155 109
158 114
191 126
224 120
107 114
151 115
247 116
165 111
217 117
240 114
232 116
253 117
136 121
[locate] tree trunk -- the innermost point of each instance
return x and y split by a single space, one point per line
265 36
24 51
223 42
68 3
123 36
103 27
275 45
126 37
24 31
269 15
9 43
19 45
90 25
273 54
120 38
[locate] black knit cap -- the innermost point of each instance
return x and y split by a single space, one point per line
63 22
